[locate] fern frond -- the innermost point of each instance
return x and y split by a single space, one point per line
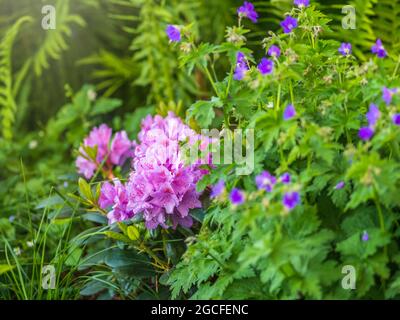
8 106
55 40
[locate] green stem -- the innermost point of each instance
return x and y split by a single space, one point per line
278 98
211 80
396 68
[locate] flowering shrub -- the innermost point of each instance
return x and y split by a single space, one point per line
161 186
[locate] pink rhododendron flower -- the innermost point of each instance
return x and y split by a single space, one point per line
162 185
116 152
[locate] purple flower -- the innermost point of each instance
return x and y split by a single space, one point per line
241 66
99 138
218 189
289 112
396 119
173 33
340 185
266 66
289 24
291 200
248 11
345 49
302 3
274 51
161 185
265 181
373 115
366 133
379 49
236 196
120 148
286 178
365 236
387 95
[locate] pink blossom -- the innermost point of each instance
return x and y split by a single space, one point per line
99 138
162 185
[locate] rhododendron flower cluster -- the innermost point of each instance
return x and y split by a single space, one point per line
161 186
113 152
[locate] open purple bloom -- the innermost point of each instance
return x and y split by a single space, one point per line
274 51
286 178
366 133
236 196
340 185
373 115
289 24
289 112
241 66
265 181
387 95
396 119
217 189
365 236
302 3
291 200
120 147
345 49
266 66
379 49
247 10
173 33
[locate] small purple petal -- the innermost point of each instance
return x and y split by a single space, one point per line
365 236
302 3
345 49
340 185
265 181
373 115
274 51
173 33
236 196
289 112
291 200
286 178
387 95
366 133
396 119
379 49
289 24
266 66
218 189
247 10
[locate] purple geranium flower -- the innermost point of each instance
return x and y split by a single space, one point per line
291 200
236 196
274 51
266 66
265 181
217 189
173 33
387 95
366 133
241 66
289 112
365 236
340 185
289 24
345 49
286 178
373 115
379 49
396 119
247 10
302 3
